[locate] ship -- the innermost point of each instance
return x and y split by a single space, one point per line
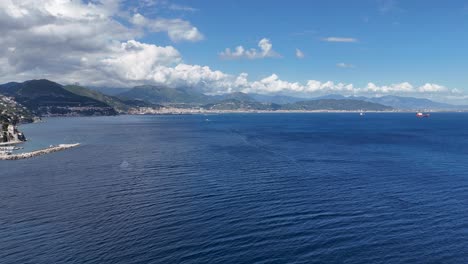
421 115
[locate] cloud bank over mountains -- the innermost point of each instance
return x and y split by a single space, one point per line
95 43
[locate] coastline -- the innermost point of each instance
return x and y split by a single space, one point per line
184 111
40 152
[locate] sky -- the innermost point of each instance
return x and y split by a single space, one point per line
295 47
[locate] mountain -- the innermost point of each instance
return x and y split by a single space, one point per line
235 96
119 105
165 95
400 102
242 101
411 103
44 97
275 99
338 105
237 104
334 96
109 90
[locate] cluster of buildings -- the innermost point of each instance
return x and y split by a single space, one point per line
10 134
10 115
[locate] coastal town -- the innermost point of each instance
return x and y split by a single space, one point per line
11 113
12 137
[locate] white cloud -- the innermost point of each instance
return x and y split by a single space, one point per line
299 54
265 51
135 61
433 88
158 5
182 8
340 39
273 84
77 41
404 87
177 29
344 65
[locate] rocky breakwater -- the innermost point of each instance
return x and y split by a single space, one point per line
40 152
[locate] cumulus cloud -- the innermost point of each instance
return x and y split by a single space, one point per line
340 39
135 61
299 54
265 51
83 41
273 84
54 36
404 87
433 88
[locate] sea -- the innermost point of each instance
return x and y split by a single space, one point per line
240 188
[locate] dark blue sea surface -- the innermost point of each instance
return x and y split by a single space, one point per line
240 188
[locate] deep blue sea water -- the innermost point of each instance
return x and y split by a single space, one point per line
240 188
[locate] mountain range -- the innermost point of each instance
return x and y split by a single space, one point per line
400 102
47 98
164 95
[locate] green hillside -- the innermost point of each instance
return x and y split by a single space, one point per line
112 101
43 97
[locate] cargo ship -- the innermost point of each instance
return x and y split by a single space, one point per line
422 115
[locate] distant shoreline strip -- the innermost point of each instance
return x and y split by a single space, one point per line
38 152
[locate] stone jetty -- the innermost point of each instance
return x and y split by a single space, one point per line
38 152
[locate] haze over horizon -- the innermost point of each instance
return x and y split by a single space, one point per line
301 48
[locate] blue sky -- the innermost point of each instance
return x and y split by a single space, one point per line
362 47
414 41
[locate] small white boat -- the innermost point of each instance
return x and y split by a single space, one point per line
7 148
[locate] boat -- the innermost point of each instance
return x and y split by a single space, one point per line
361 113
421 115
6 150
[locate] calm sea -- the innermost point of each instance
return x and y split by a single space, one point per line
240 188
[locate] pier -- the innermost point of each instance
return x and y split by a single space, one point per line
36 153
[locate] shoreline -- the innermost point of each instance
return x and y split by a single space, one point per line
187 111
40 152
182 111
